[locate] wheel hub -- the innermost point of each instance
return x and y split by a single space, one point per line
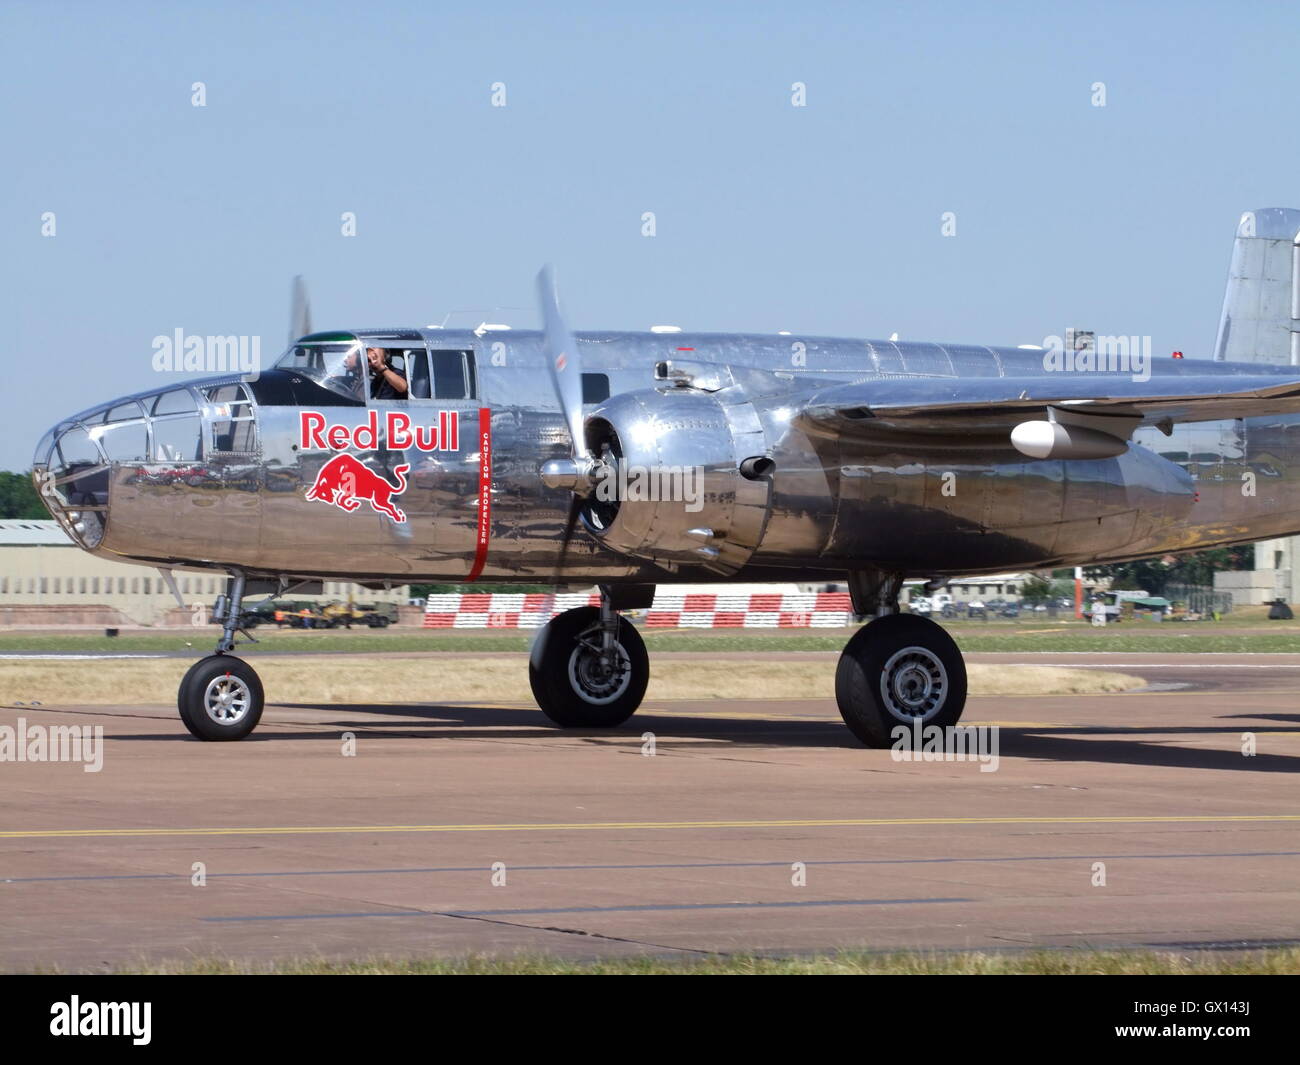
914 684
597 677
227 699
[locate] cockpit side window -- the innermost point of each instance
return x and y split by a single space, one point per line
595 387
177 439
417 361
385 386
234 427
178 401
453 375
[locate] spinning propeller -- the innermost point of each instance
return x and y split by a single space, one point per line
578 472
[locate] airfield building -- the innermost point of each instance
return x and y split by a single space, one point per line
45 579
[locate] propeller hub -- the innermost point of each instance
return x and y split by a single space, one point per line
575 474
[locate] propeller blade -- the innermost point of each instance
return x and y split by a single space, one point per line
562 359
299 310
570 523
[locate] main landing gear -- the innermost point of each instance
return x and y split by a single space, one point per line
899 669
589 667
221 697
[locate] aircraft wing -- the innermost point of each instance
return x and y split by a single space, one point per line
983 405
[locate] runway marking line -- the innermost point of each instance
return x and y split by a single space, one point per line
596 826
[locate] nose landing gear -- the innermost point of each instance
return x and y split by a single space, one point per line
220 697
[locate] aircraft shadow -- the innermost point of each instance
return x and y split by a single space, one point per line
1049 743
1064 743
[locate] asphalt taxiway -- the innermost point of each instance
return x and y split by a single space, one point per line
758 826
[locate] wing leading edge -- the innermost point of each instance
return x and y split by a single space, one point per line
987 405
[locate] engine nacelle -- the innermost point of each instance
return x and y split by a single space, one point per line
683 478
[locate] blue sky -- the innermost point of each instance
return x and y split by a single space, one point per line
824 219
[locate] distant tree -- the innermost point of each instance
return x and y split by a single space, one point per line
1036 589
1154 575
1063 589
18 498
1039 589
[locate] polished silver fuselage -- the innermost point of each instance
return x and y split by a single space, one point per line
916 504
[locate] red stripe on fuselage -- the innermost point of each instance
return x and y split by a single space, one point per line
484 533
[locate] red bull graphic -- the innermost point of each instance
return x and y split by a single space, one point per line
316 434
345 481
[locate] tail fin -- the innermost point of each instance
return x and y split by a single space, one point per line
1261 307
299 310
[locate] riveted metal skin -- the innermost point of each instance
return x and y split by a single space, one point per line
911 499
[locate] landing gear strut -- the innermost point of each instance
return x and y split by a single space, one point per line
221 697
589 667
900 669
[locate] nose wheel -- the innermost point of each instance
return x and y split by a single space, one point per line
900 669
220 698
589 668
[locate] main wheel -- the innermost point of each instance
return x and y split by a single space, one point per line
573 685
220 698
898 670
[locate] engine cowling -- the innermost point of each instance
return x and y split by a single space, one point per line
683 478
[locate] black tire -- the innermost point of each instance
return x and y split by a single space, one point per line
202 685
893 665
558 662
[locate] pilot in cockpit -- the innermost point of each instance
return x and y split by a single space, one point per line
385 382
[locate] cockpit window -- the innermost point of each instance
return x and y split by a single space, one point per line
394 382
177 439
453 374
234 427
178 402
418 361
123 412
335 364
76 448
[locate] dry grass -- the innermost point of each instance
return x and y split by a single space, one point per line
442 679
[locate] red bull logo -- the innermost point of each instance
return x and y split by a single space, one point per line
345 481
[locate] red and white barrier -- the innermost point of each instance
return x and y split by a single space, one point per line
713 610
500 610
763 610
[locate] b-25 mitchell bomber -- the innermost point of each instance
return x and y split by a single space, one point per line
391 456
